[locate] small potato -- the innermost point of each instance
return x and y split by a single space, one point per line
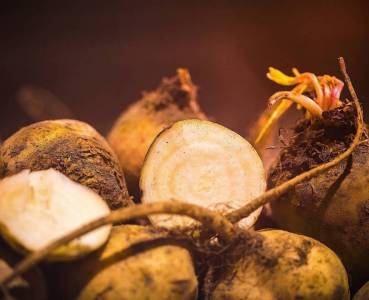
279 265
122 270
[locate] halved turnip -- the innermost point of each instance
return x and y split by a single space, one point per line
203 163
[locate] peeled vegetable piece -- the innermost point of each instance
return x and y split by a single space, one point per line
175 99
30 286
279 265
71 147
203 163
38 207
122 270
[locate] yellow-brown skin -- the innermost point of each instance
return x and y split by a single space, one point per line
283 265
137 127
30 286
121 270
334 208
71 147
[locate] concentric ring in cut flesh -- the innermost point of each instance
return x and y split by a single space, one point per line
204 163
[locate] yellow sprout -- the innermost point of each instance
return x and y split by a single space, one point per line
323 94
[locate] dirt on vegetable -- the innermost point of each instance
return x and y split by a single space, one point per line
275 264
72 147
332 207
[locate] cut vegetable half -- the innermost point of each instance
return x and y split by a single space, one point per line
38 207
204 163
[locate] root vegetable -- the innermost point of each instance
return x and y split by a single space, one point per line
71 147
201 162
38 207
332 207
130 266
30 286
278 265
276 192
131 136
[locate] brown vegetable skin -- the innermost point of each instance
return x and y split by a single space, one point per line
122 270
30 286
333 207
280 265
175 99
71 147
363 293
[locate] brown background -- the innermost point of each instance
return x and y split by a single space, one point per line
97 56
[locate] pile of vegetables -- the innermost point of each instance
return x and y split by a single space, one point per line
64 203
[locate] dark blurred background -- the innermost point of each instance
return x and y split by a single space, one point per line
92 58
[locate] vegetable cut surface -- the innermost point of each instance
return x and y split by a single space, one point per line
204 163
38 207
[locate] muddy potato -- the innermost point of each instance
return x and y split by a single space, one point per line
123 271
136 128
71 147
30 286
279 265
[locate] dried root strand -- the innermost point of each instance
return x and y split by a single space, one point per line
209 219
276 192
